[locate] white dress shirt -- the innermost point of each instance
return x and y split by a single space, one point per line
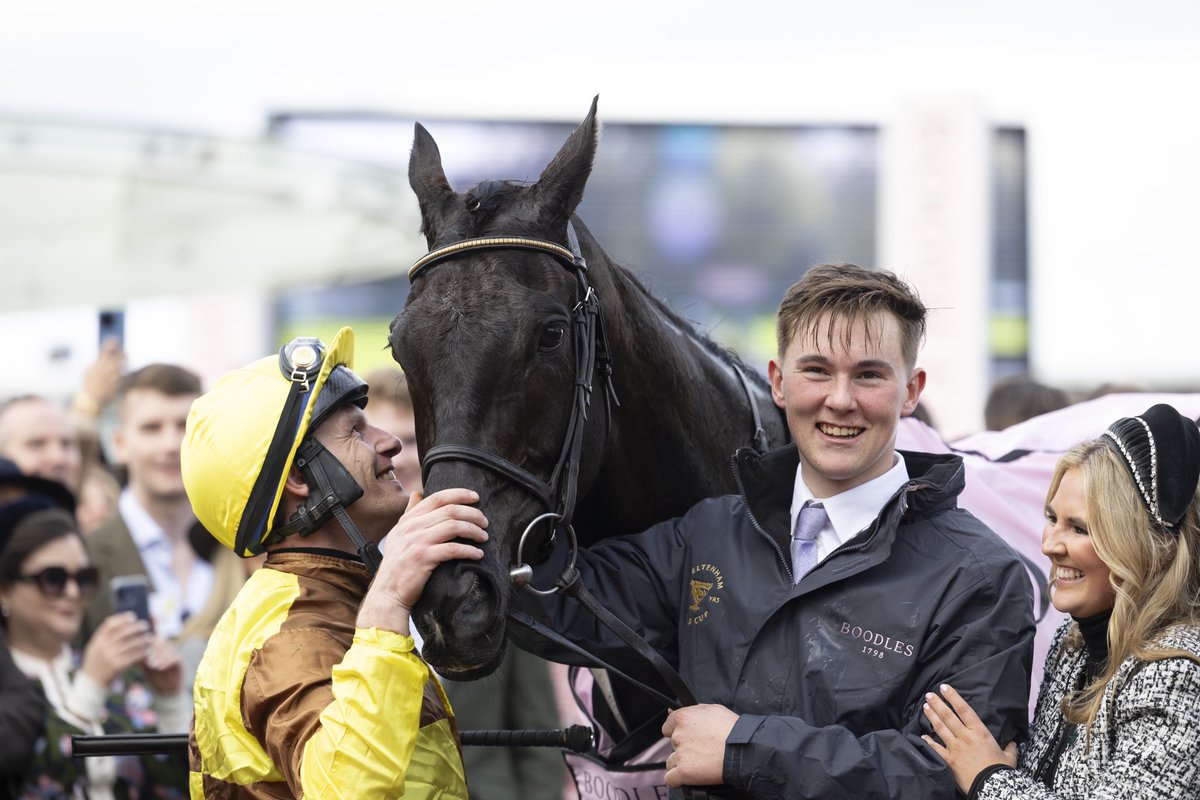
170 603
852 510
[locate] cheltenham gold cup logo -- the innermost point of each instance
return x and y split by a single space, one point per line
706 585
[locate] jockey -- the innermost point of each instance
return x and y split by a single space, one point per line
310 685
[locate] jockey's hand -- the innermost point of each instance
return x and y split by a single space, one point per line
698 735
424 537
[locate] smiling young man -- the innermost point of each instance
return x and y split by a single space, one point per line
811 612
149 533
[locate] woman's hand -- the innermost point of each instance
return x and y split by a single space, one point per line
118 643
163 667
967 746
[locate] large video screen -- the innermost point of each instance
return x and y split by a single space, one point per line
718 220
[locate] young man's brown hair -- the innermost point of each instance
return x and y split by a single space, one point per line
167 379
855 293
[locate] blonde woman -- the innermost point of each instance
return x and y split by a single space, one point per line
1118 715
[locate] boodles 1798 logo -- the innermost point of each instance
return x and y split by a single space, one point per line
706 583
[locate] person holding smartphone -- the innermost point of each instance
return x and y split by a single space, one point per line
125 680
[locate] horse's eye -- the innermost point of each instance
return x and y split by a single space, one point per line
473 204
552 336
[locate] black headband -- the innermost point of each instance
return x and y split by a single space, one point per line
1161 450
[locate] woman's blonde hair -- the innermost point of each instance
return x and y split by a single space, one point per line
1154 572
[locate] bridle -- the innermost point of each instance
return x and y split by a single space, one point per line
558 495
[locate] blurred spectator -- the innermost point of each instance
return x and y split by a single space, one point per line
98 496
45 581
519 695
100 382
22 702
15 485
921 412
390 407
229 573
149 534
1019 398
36 434
1114 388
22 718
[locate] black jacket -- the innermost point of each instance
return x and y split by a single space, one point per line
22 716
829 675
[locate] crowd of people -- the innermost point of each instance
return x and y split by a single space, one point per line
278 523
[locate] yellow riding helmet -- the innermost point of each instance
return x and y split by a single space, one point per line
242 437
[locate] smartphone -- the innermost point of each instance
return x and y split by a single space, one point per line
112 326
131 593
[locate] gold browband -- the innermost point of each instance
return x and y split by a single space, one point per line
491 243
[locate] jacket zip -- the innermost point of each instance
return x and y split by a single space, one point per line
849 548
737 477
841 549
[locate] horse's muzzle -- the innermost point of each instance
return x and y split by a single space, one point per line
461 616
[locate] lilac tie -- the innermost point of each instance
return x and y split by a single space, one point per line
804 541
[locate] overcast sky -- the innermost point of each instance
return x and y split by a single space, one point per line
1105 90
221 67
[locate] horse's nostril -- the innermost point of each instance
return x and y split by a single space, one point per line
478 605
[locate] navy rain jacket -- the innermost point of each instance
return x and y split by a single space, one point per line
829 676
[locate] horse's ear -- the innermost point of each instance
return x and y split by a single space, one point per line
428 181
560 186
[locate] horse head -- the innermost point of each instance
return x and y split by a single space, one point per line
487 341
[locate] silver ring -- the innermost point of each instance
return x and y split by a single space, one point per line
573 543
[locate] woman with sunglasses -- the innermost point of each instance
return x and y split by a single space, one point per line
45 581
1118 715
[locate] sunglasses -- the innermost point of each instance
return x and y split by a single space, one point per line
52 581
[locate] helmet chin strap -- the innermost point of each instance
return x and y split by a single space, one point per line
332 489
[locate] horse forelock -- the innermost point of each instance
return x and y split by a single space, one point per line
490 208
491 195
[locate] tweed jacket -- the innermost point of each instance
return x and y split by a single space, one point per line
114 553
1144 742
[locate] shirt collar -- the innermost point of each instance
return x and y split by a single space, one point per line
144 531
854 509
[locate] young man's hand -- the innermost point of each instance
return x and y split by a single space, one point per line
698 735
423 538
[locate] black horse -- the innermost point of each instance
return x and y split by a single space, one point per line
490 349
